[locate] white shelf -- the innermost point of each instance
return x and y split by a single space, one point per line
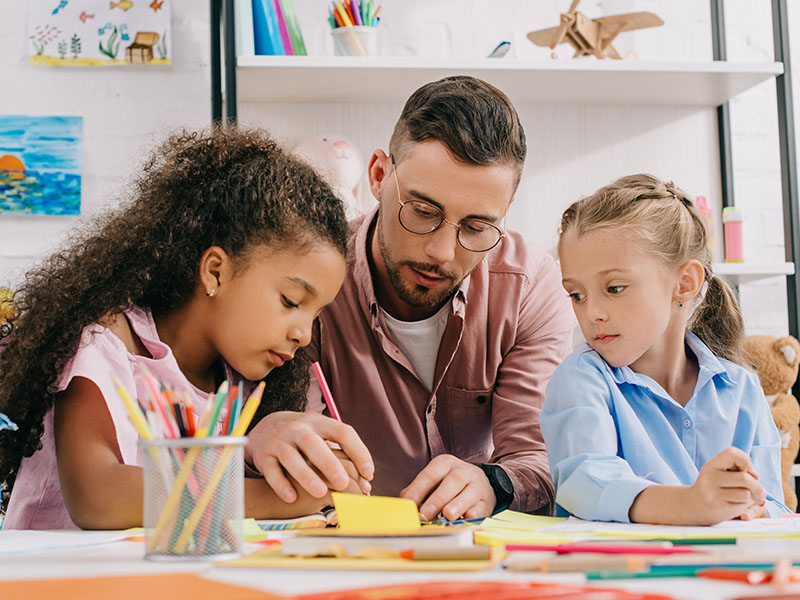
738 273
567 81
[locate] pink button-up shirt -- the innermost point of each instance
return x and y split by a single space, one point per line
511 325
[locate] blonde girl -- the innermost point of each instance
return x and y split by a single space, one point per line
656 419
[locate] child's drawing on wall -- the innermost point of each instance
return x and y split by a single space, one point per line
99 32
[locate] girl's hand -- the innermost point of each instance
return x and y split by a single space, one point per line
727 488
757 512
357 485
296 445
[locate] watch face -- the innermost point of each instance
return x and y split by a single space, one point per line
503 480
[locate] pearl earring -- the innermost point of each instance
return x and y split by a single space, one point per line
212 292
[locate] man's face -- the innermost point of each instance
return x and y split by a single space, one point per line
419 272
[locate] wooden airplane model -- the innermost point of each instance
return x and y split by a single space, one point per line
592 36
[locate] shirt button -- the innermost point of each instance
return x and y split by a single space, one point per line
687 423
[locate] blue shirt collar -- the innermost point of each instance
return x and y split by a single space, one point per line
710 367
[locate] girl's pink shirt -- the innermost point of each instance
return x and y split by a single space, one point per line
36 499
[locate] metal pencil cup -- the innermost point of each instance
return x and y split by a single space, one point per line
193 498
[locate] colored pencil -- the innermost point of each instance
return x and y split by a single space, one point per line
597 549
465 553
349 11
248 412
229 412
134 412
356 13
592 575
326 391
187 403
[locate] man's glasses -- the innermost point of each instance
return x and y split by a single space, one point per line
421 218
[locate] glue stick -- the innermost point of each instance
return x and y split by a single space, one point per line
734 247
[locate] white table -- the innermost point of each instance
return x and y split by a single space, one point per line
126 558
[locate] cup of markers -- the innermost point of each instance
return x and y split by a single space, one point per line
193 471
353 24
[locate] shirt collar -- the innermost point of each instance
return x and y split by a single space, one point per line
361 271
710 367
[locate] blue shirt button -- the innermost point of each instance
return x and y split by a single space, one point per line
687 423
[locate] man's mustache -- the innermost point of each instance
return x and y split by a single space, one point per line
431 269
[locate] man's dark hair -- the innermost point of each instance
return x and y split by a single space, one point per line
475 121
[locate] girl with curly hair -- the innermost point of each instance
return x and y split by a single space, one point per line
215 269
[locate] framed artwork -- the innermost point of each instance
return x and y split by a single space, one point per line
40 165
92 33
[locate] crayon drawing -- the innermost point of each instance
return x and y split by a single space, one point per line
99 32
40 165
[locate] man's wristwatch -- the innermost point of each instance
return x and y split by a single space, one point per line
501 484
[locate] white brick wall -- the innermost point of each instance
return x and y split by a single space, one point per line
572 149
124 110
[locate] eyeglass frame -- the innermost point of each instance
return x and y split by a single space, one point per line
443 218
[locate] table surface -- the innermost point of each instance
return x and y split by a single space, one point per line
126 558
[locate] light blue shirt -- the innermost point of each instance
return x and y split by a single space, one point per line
611 432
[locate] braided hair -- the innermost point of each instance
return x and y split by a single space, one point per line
665 219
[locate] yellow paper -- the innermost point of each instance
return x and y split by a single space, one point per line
510 519
375 514
511 527
502 537
272 557
252 532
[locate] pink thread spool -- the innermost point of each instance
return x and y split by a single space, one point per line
732 221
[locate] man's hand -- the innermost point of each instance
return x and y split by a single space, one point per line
452 487
299 443
727 488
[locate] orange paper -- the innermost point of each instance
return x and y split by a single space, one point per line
177 586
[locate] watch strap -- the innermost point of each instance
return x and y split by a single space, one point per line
501 484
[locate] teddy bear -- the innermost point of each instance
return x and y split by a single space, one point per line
8 311
339 162
776 361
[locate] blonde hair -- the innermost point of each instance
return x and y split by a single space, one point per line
666 221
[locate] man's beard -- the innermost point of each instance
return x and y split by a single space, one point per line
418 296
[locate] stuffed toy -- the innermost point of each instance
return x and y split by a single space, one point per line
7 310
338 161
776 361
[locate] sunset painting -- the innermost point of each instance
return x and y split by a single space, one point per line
40 165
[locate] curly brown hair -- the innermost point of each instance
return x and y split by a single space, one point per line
232 188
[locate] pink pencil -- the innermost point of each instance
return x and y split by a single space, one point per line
326 391
599 549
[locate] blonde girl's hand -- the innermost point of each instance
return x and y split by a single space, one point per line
756 512
726 488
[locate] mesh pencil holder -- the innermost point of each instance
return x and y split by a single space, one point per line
193 498
355 41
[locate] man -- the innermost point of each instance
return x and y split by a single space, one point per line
442 340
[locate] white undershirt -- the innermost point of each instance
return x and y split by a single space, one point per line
420 340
